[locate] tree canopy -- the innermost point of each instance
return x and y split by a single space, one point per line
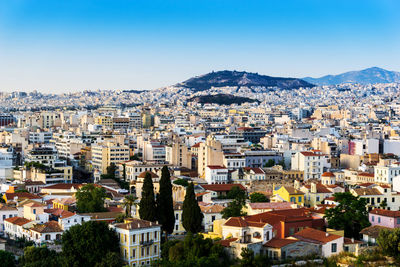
88 243
235 207
165 204
258 197
350 215
194 251
389 241
7 259
90 198
147 205
40 256
192 217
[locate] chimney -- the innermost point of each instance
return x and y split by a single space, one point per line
327 234
352 240
313 188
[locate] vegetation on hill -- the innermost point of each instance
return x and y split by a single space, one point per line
222 99
241 78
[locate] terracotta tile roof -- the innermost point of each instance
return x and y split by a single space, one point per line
197 144
243 222
386 213
255 170
213 208
102 215
63 186
60 213
311 154
4 207
17 220
21 195
366 184
227 242
351 241
280 243
366 174
221 187
367 191
136 224
271 205
322 189
35 204
49 227
373 231
202 194
328 174
317 236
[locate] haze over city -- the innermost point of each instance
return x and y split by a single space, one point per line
58 46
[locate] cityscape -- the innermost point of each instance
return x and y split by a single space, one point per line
223 159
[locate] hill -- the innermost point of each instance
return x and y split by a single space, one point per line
222 99
240 78
366 76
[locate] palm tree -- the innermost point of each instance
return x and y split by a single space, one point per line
129 201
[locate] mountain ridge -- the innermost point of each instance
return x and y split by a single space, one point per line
366 76
227 78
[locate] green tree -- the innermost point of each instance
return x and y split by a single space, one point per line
7 259
90 198
270 163
124 172
182 182
111 171
112 259
88 243
258 197
383 204
165 203
247 259
191 213
350 215
389 241
129 201
147 205
194 251
235 193
235 207
40 256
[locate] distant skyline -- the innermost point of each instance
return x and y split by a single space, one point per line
73 45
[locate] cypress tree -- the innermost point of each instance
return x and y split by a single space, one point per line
147 205
165 204
191 214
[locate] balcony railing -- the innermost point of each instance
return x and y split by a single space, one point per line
147 243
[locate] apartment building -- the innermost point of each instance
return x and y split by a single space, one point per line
139 241
105 154
310 162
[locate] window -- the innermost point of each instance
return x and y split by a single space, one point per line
373 218
133 253
155 250
134 238
398 220
155 235
334 247
299 199
148 251
379 219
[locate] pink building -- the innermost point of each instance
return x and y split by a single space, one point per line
386 218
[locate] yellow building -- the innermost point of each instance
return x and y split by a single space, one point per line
288 194
139 241
106 121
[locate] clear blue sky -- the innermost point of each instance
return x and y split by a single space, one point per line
69 45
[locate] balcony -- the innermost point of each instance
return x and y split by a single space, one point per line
147 243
